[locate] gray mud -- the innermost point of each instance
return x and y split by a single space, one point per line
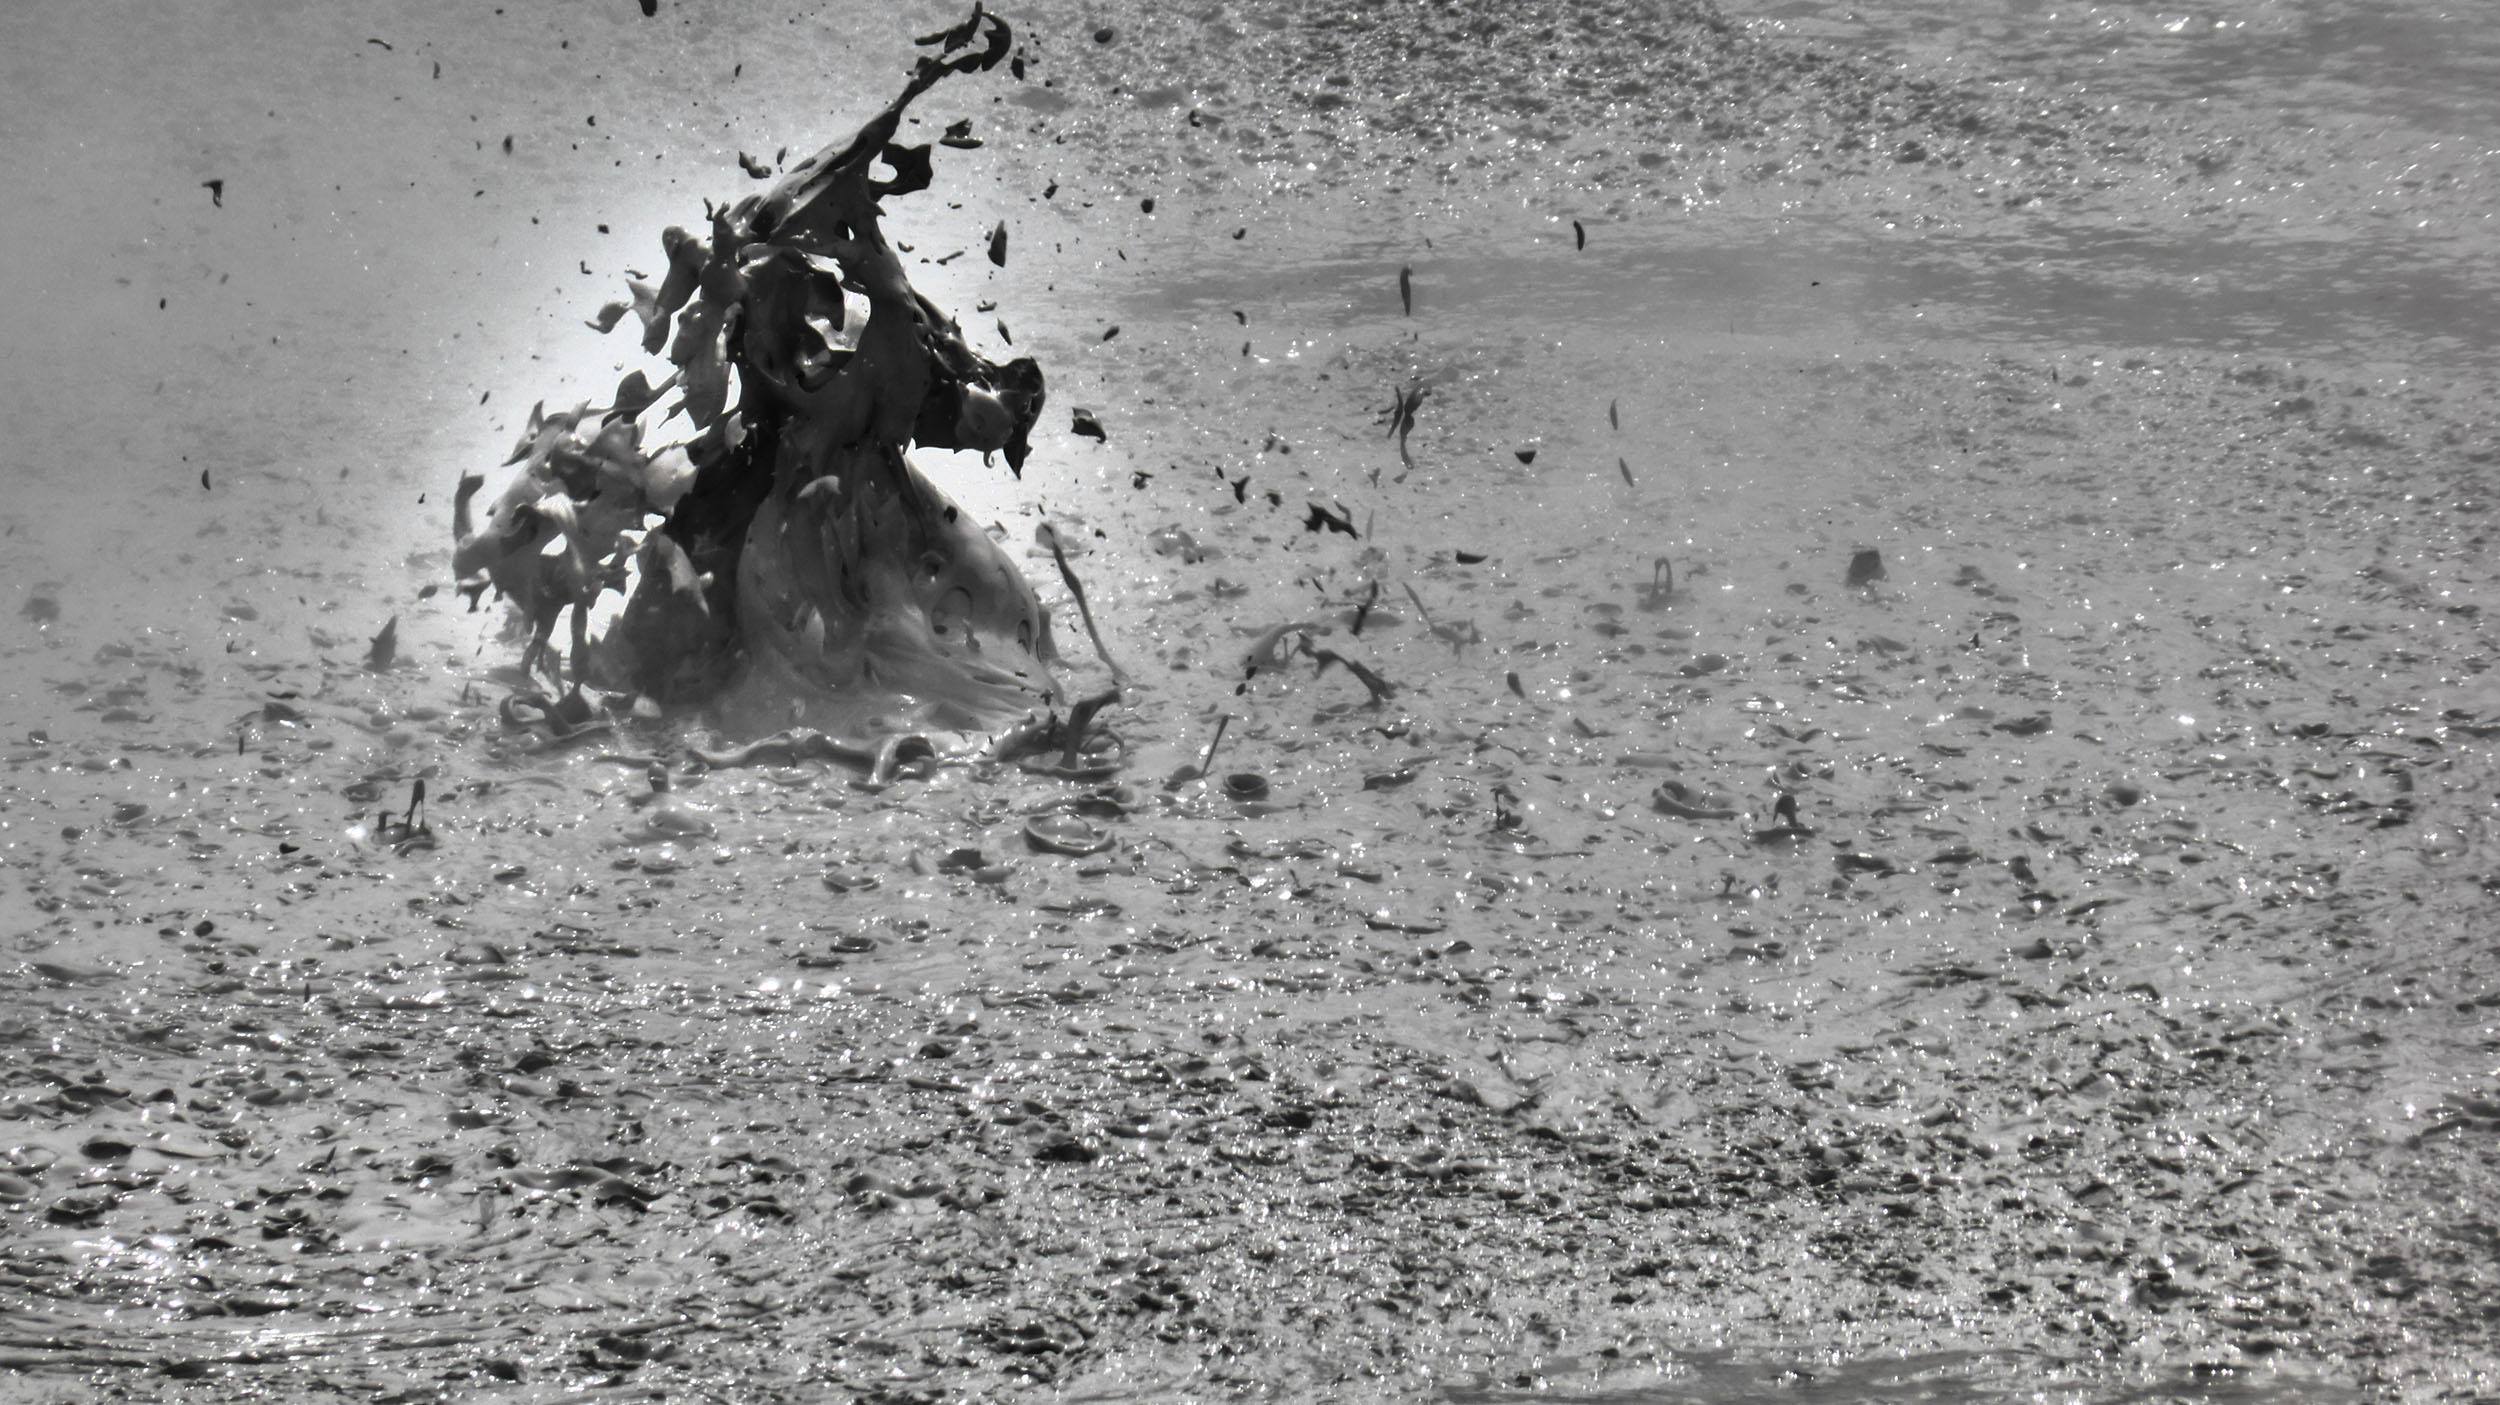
2060 967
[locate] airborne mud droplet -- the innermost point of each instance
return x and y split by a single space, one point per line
1321 519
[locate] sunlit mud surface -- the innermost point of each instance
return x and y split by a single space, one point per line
2048 958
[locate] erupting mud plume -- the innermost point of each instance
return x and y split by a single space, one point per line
786 549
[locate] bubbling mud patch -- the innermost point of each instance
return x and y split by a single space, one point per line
1453 1066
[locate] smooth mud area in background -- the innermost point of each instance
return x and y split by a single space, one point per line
2058 967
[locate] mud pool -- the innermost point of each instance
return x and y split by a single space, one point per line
2060 967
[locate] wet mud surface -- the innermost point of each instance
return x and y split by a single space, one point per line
2050 956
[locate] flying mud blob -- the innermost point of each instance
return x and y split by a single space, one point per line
785 563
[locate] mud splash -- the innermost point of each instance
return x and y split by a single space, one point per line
786 552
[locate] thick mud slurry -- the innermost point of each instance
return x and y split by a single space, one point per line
1915 821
